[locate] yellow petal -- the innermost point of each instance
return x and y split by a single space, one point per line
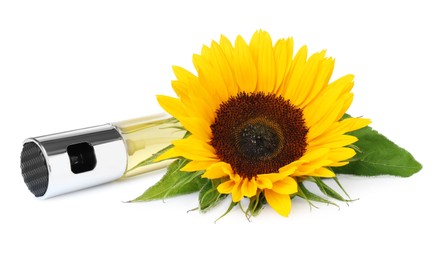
249 188
285 186
338 164
172 153
201 107
356 123
341 154
323 172
308 77
281 203
245 69
344 84
325 122
266 70
218 170
254 44
198 100
319 109
195 149
295 73
334 141
221 64
322 77
283 50
197 166
244 188
226 187
187 80
273 177
315 154
312 159
329 99
340 128
306 169
263 182
346 100
206 53
196 89
180 89
183 75
198 127
211 79
172 106
289 168
227 49
237 194
292 168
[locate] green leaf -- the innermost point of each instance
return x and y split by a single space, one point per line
175 182
378 156
209 196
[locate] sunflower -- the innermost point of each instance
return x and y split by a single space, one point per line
261 119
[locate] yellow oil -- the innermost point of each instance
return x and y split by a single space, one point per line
146 136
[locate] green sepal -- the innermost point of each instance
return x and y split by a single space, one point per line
377 155
256 204
230 207
309 196
174 183
209 196
327 190
340 186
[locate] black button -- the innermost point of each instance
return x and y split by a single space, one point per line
82 157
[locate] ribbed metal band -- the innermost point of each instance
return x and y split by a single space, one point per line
34 169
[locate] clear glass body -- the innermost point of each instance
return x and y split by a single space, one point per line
146 136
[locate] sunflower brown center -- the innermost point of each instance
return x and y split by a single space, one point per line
258 133
259 139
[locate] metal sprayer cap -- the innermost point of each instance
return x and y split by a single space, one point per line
60 163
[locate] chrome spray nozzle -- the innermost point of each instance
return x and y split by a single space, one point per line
64 162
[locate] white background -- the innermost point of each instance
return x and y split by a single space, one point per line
71 64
